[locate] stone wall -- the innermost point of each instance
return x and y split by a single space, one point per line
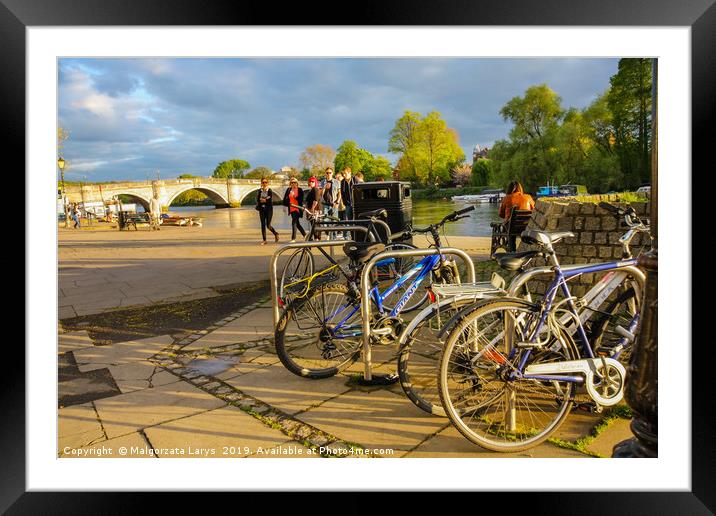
596 232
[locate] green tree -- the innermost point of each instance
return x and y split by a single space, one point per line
349 155
629 100
428 148
258 173
187 176
379 166
231 168
480 175
536 118
405 141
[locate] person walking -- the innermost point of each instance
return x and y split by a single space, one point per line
75 213
155 211
264 205
291 198
328 195
312 202
347 196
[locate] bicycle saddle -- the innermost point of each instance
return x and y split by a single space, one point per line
534 236
361 252
514 261
381 212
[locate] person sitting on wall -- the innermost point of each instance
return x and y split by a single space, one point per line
517 198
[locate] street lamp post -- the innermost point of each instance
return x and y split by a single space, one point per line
641 392
61 165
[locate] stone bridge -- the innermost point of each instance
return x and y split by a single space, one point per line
224 193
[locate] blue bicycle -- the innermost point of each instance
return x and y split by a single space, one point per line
320 333
511 368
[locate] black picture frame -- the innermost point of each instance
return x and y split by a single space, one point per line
17 15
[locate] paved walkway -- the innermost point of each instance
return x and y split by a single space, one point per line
221 392
104 269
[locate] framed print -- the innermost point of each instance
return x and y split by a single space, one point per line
225 128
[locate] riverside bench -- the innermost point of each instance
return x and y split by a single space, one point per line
505 233
128 220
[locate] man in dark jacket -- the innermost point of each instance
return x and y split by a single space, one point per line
347 196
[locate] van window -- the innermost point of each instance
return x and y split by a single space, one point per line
406 192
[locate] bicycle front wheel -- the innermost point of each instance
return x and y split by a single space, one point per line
480 385
320 334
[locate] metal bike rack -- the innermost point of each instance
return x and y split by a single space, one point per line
365 288
273 274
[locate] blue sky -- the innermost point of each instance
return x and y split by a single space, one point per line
131 118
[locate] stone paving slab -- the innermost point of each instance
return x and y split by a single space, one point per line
130 412
78 426
616 432
74 340
121 352
278 387
140 375
215 430
378 419
174 413
449 443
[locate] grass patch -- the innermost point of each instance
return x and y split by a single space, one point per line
580 445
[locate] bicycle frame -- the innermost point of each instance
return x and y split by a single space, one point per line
560 284
422 269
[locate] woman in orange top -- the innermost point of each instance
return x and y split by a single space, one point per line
515 197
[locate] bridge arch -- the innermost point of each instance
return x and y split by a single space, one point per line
251 195
217 198
138 199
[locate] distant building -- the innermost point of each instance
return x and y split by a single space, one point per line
479 152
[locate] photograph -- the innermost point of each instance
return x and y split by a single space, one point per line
354 257
434 247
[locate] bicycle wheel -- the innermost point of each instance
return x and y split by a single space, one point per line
487 403
419 355
299 265
618 313
320 334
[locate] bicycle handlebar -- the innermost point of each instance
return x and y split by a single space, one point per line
452 217
629 214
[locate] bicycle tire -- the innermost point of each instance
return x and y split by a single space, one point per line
299 265
485 370
419 355
309 348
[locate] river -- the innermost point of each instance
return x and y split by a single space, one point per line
424 213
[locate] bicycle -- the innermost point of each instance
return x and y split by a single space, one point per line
320 334
510 368
298 274
422 342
